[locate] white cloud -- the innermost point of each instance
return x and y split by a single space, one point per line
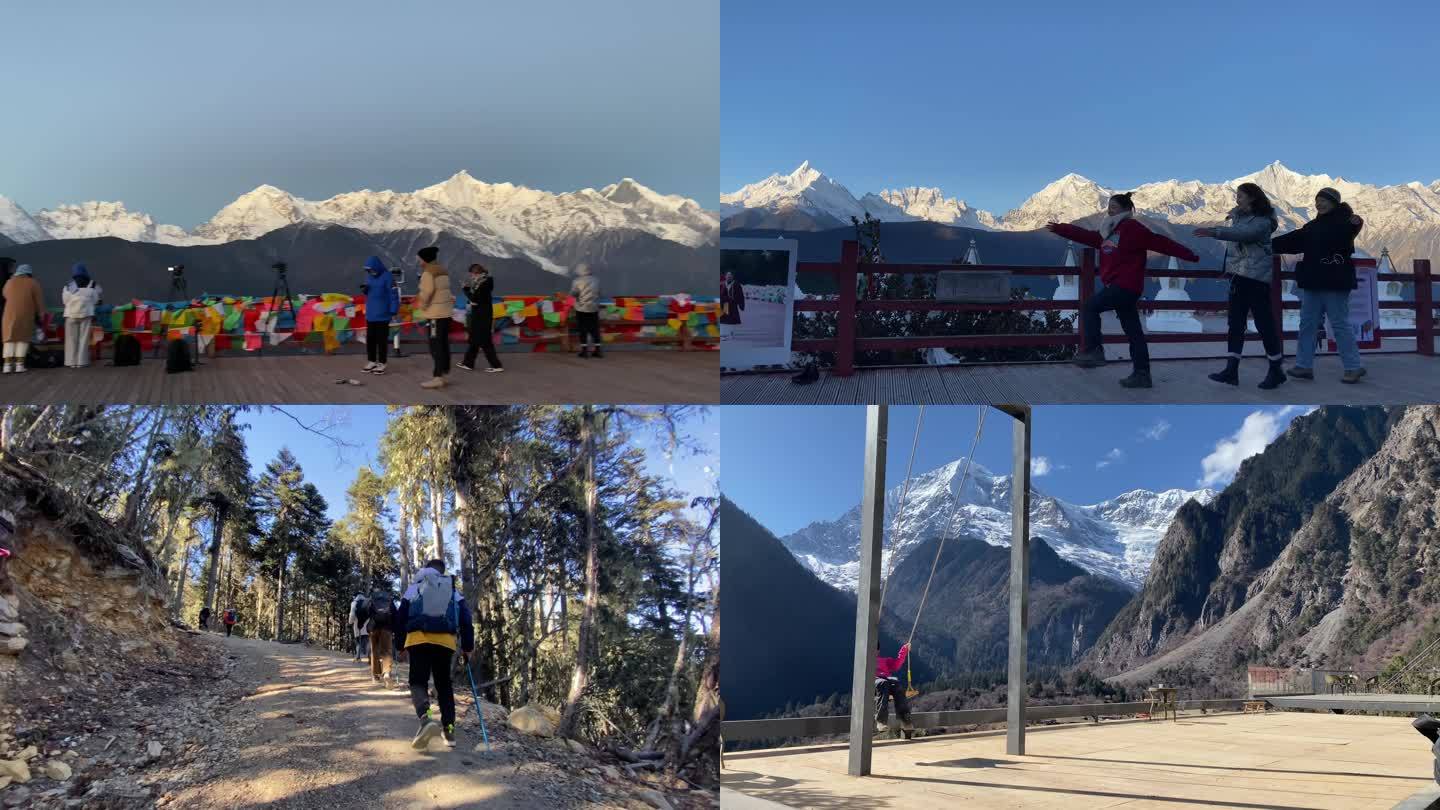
1115 456
1255 434
1042 465
1155 432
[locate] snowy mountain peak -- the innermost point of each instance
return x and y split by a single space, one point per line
1114 538
95 219
17 224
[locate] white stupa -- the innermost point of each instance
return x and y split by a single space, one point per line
1173 320
972 255
1068 286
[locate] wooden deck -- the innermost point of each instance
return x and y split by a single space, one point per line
1275 760
1392 379
631 377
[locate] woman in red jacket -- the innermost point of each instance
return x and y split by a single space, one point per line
888 686
1124 244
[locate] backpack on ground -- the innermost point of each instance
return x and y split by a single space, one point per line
127 350
177 356
382 609
434 609
44 357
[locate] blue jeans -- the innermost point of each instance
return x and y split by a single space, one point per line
1332 306
362 645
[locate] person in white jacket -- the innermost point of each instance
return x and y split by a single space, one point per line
80 297
586 289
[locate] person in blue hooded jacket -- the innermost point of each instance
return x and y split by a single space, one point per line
382 304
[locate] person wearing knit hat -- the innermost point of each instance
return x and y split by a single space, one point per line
436 303
23 304
586 289
80 297
1325 276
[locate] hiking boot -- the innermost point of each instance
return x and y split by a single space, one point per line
1275 377
427 731
449 734
1090 358
1352 376
465 365
1230 375
1300 373
433 383
807 375
1137 379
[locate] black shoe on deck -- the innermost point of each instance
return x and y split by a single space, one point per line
1090 358
584 354
1137 379
807 375
1275 377
1230 375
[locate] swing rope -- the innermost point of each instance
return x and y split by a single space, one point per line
900 512
935 564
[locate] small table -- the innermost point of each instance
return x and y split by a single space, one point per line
1162 700
1252 706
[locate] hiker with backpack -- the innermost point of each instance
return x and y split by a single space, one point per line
1325 277
1249 262
382 304
81 296
205 618
432 612
359 613
1124 245
382 616
24 302
230 620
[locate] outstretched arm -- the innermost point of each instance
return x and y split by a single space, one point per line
1075 233
1160 243
1253 230
1292 242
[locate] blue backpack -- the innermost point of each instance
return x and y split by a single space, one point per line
434 608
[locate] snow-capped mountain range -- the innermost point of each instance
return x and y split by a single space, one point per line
499 219
1404 218
1115 538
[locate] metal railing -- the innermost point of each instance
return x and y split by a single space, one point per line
848 305
1272 681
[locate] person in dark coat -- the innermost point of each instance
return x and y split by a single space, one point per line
382 304
1325 277
7 269
1124 245
732 300
1249 262
480 319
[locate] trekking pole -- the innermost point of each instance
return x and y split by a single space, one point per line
478 711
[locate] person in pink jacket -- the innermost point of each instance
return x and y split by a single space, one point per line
888 686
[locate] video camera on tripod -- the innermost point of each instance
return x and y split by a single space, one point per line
177 277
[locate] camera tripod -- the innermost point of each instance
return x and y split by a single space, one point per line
282 288
178 293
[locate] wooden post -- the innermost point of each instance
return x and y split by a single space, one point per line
867 590
1424 309
1018 689
1277 302
845 324
1087 289
685 335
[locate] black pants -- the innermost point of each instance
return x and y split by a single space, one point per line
377 341
227 630
886 689
205 622
1123 302
481 335
440 345
431 661
1251 298
589 323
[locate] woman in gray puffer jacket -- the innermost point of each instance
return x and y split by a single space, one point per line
1249 263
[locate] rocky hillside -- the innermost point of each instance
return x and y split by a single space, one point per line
968 605
1310 556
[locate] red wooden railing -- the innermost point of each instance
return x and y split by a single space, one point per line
849 269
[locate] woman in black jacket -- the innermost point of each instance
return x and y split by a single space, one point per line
479 321
1325 276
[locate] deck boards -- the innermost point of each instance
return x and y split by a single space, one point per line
1274 760
1393 379
630 377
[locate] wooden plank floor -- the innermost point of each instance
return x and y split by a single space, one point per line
1392 379
1274 760
630 377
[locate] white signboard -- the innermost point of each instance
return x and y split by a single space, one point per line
1364 308
757 301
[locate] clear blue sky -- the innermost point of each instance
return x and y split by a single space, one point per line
179 108
332 470
790 466
992 101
